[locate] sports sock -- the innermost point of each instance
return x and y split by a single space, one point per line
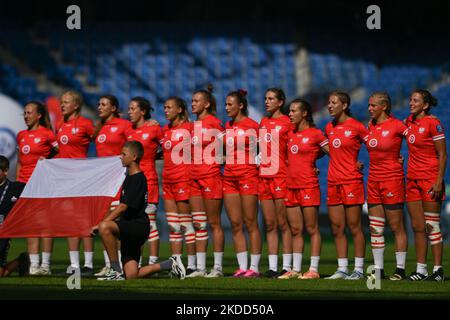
297 261
201 261
273 262
218 260
343 264
242 258
314 263
359 264
88 259
74 259
400 257
254 262
287 261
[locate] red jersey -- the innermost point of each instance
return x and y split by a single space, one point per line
175 141
304 148
383 143
112 137
282 125
32 145
345 141
74 137
150 137
423 162
241 144
204 163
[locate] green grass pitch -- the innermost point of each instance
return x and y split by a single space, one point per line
162 287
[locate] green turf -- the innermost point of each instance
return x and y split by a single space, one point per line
161 287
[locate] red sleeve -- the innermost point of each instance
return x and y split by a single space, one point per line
436 130
52 139
89 128
322 141
363 132
402 129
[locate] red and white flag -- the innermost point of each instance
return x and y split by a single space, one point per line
65 198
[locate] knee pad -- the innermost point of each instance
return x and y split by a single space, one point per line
174 226
200 225
187 227
377 232
432 227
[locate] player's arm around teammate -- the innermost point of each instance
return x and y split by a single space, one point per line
345 194
386 186
240 183
275 128
425 182
36 142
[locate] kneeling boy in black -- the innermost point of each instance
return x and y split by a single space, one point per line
133 228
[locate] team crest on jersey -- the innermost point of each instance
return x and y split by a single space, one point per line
240 132
412 138
268 137
145 136
421 130
75 130
204 130
347 133
331 132
168 144
373 143
336 143
194 140
113 129
305 140
37 140
64 139
101 138
294 149
385 133
26 149
278 128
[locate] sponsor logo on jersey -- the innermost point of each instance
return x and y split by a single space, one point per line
207 189
277 189
294 149
26 149
245 186
180 191
412 138
145 136
305 140
64 139
390 195
113 129
373 143
306 197
350 195
336 143
101 138
385 133
37 140
347 133
168 144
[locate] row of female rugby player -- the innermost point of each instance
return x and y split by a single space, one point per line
289 198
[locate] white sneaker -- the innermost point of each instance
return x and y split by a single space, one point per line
215 273
112 275
102 272
197 274
45 271
34 270
178 269
338 275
